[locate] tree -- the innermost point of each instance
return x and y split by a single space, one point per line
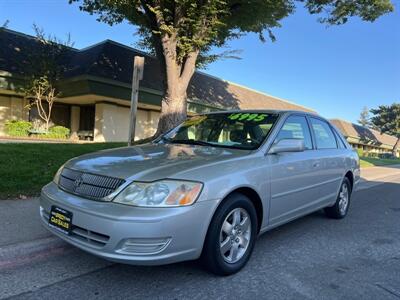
44 67
181 33
364 118
387 119
5 24
44 95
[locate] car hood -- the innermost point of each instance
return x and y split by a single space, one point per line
151 162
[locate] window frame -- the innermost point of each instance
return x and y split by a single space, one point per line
313 133
339 141
305 116
342 138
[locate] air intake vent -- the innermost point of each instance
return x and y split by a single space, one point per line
88 185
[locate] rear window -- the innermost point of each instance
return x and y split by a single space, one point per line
324 137
339 139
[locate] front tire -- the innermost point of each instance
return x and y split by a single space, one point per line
341 207
231 236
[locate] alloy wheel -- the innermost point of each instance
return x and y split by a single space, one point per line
235 235
343 198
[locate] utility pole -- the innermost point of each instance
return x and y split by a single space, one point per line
138 66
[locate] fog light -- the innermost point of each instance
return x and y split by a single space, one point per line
143 246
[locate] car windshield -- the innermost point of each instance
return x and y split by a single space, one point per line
242 130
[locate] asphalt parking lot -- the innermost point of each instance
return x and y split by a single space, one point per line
310 258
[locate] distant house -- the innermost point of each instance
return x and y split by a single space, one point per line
96 90
366 139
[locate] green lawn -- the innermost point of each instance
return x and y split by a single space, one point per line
371 162
25 168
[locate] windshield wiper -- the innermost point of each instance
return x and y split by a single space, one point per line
191 142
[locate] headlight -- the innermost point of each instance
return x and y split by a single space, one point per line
56 178
165 193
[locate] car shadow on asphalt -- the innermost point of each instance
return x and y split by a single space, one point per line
267 244
273 242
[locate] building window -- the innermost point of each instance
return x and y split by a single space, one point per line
86 120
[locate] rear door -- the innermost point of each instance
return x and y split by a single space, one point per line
330 159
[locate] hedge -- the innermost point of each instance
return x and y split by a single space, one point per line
18 127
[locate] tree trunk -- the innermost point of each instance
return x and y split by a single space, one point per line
178 75
47 122
173 108
396 147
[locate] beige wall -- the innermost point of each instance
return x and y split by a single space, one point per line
12 108
112 123
75 118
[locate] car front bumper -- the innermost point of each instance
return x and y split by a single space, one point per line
127 234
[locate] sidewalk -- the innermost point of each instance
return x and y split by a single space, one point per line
23 238
370 173
20 221
373 176
12 140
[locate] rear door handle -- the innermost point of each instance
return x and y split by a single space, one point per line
316 164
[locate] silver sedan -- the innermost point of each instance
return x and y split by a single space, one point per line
206 189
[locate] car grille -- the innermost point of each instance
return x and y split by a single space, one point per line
88 237
88 185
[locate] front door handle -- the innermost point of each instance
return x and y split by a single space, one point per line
316 164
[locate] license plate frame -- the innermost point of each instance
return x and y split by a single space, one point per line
60 219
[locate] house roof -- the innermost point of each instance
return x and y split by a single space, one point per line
113 61
364 135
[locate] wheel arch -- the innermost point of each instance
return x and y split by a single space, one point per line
254 197
350 176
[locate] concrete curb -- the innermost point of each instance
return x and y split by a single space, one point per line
391 170
395 166
367 184
21 253
362 179
388 173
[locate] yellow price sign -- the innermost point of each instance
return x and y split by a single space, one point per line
247 117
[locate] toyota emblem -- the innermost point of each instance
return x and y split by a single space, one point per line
78 182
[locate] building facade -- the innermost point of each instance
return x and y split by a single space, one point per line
367 140
96 90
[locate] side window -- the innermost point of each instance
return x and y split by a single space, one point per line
296 127
339 140
324 136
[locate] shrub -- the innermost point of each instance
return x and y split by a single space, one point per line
360 152
57 132
18 127
387 156
373 155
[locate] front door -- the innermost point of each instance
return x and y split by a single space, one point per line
293 174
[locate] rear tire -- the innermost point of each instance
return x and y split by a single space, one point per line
231 236
341 207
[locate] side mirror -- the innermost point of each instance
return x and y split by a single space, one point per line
287 145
